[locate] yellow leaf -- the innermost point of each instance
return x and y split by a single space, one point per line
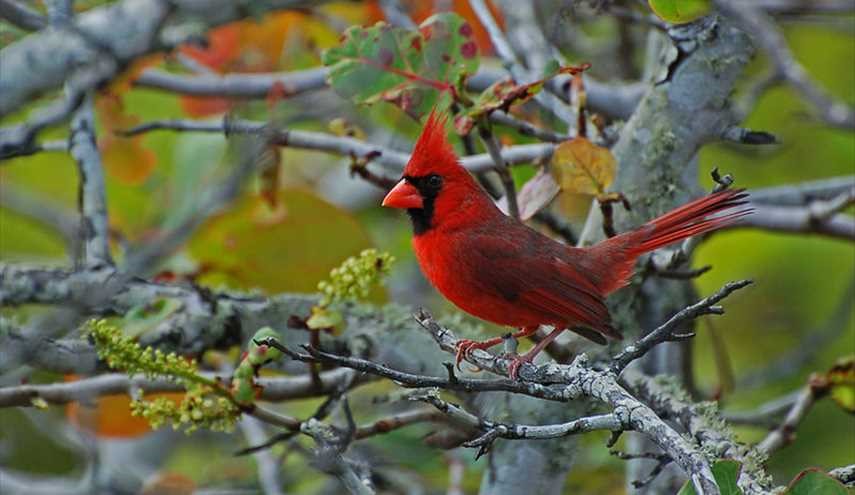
580 166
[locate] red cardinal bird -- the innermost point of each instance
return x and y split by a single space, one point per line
498 269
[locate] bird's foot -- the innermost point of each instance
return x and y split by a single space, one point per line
516 363
466 346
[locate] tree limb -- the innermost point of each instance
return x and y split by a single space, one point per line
764 32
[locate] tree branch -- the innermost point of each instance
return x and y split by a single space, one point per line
21 15
92 192
392 160
665 332
493 430
579 380
235 85
764 32
784 434
703 424
818 217
803 193
274 389
125 31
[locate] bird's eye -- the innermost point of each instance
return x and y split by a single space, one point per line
435 181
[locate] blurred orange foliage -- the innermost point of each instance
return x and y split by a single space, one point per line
110 416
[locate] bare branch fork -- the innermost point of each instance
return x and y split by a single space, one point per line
666 332
579 379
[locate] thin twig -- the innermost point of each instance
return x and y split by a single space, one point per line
491 430
501 167
342 145
665 332
518 71
526 128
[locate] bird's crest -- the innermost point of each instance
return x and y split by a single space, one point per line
433 153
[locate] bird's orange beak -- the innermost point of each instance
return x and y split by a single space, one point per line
403 195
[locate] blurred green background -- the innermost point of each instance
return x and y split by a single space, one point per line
322 216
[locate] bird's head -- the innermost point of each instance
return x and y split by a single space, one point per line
434 187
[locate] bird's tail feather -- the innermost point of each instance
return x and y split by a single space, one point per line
694 218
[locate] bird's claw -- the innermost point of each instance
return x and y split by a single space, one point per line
465 347
516 363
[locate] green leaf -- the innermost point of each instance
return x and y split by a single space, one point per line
413 70
815 482
726 474
679 11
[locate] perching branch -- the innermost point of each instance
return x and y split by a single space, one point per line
578 379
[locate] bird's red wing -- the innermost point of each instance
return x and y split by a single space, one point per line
525 271
568 296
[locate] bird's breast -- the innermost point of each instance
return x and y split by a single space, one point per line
463 279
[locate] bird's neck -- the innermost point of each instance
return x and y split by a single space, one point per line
465 205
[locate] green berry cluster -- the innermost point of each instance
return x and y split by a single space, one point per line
353 279
205 405
199 409
122 353
348 282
